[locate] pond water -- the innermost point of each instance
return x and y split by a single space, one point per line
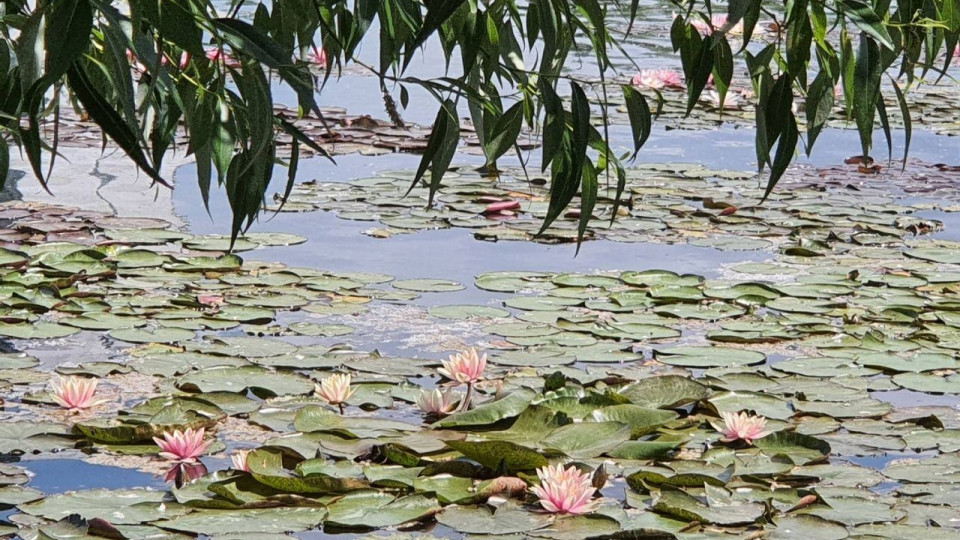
837 322
66 474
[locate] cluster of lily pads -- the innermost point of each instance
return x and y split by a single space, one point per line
671 203
643 403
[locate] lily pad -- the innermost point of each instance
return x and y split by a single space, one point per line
467 312
233 379
508 519
703 357
247 521
427 285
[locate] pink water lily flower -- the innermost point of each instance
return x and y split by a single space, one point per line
464 367
216 54
240 460
438 402
731 101
335 389
565 490
185 446
75 393
657 79
742 427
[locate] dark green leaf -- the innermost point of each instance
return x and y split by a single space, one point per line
438 11
867 90
639 113
588 199
505 132
863 15
819 107
784 155
907 122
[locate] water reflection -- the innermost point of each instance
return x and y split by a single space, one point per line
184 473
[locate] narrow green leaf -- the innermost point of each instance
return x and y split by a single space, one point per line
907 122
291 173
554 125
248 39
448 148
66 36
722 67
4 162
588 200
245 37
204 173
848 63
302 138
700 73
639 113
820 101
438 11
885 126
440 149
867 72
567 170
505 132
867 20
634 6
178 23
784 155
747 11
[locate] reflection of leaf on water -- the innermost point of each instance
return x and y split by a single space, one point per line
184 473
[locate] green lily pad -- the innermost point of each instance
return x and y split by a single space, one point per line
508 406
587 439
664 392
703 357
373 510
723 512
798 448
124 506
246 347
925 382
467 312
508 519
28 437
39 330
427 285
151 335
807 527
500 455
233 379
641 420
251 521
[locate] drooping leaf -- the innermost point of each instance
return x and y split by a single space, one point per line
863 15
505 132
111 122
640 122
867 72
